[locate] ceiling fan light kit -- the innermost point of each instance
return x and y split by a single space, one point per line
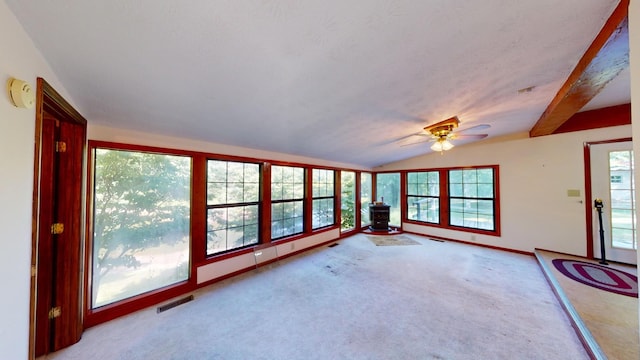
442 145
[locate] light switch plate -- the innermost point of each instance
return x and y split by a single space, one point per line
573 193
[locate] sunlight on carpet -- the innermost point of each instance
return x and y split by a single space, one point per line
392 240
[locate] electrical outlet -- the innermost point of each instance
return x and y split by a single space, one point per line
293 246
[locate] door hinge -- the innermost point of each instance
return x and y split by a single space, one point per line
61 146
55 312
57 228
33 270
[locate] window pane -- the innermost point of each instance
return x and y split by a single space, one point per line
141 223
287 191
485 207
235 193
251 192
388 191
235 172
216 193
456 215
286 219
622 219
348 200
276 173
237 228
287 183
469 176
623 238
485 190
455 176
322 213
424 183
621 179
470 220
277 211
423 209
485 176
217 219
455 190
621 199
470 190
251 173
217 171
365 198
216 241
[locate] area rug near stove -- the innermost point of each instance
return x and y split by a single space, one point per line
598 276
382 240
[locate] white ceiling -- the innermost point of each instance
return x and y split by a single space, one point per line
336 79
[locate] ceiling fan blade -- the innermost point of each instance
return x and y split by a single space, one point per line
418 142
469 136
421 134
475 128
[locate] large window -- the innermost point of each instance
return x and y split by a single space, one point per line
365 198
347 200
423 196
287 200
233 202
141 207
323 198
388 191
472 198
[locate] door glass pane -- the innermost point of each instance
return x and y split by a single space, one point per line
140 224
365 198
621 193
388 191
348 200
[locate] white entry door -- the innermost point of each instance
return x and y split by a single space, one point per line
612 181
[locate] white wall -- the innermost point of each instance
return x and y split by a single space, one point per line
19 58
535 174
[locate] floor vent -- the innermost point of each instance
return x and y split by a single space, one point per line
438 240
333 245
173 304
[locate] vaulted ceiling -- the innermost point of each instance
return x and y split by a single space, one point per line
335 80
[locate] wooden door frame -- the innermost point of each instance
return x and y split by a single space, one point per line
588 196
47 98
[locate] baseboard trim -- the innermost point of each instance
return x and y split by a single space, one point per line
522 252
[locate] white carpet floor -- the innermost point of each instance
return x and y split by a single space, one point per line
436 300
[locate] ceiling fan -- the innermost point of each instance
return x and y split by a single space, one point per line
442 132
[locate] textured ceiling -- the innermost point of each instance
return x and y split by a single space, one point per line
335 80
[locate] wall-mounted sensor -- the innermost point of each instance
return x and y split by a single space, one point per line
21 94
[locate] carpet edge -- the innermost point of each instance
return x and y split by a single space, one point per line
585 336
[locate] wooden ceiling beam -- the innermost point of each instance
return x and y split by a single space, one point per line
607 56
